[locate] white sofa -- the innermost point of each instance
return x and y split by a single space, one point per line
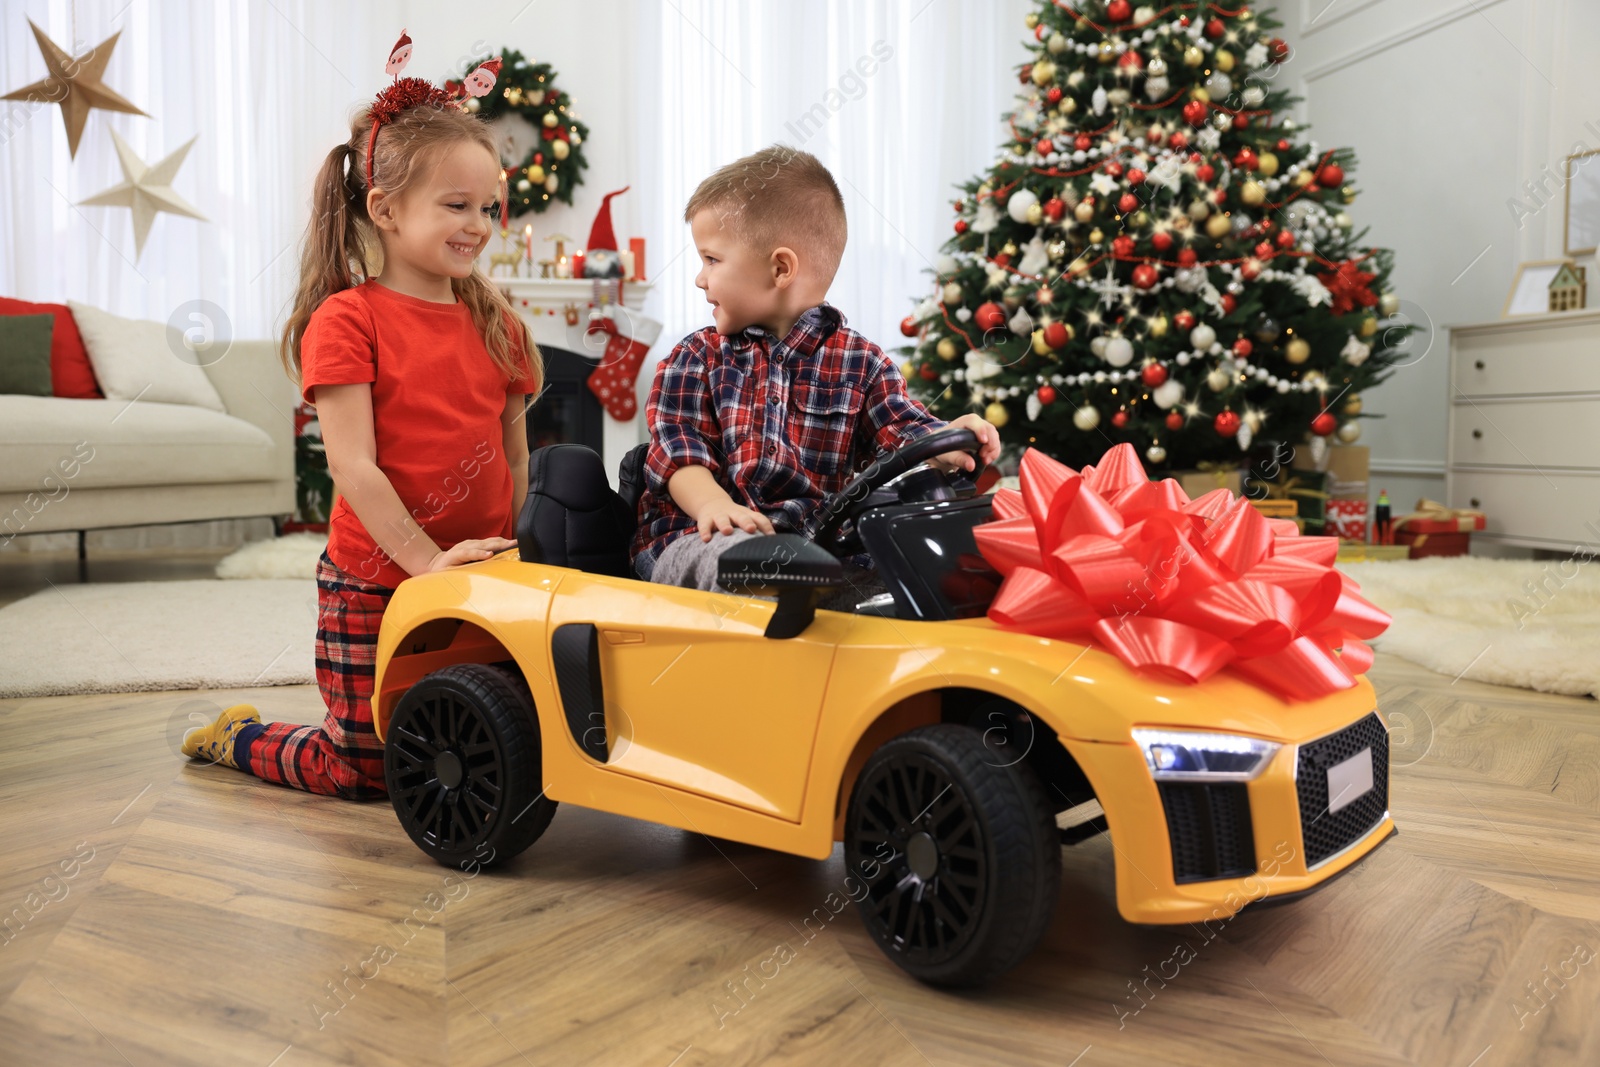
92 464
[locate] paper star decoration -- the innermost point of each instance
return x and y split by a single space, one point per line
147 190
74 83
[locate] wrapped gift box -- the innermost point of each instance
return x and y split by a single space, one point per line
1198 483
1347 519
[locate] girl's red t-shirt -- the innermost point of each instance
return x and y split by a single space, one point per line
437 399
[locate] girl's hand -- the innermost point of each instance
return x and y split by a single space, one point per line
464 552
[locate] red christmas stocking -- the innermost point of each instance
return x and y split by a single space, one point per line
629 337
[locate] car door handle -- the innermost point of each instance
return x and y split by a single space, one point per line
623 637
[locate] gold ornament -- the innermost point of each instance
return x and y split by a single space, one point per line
146 189
1343 221
1218 379
1253 193
552 183
1297 350
1199 210
1267 164
1068 105
1019 150
1303 179
996 414
1139 219
1219 226
1201 94
1224 60
1012 297
1388 303
1031 20
550 120
1040 348
1193 57
1078 268
75 83
1044 72
1369 326
559 149
907 370
536 174
1083 212
536 97
513 96
1350 432
1009 248
1158 326
1352 406
1348 194
1057 44
1035 214
951 293
1107 53
1096 236
946 349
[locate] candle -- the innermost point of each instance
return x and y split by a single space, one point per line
527 238
577 264
636 246
627 264
505 213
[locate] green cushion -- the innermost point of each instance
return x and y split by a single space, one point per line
25 354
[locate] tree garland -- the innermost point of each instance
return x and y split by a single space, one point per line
553 169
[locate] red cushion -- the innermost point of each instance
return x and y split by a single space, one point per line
70 372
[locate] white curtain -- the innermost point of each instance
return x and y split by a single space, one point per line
266 84
722 78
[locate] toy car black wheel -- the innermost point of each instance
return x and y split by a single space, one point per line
461 758
959 856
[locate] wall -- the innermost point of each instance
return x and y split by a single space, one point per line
1451 107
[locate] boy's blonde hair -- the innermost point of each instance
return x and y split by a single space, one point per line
778 196
342 244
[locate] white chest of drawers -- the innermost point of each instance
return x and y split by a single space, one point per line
1525 428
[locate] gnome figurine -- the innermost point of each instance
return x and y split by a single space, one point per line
399 55
600 258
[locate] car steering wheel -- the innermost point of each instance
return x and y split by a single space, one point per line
853 498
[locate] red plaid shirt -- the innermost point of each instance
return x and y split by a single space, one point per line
780 423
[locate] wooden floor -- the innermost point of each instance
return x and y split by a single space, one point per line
167 913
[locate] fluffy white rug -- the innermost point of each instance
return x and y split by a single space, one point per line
120 637
290 556
1535 625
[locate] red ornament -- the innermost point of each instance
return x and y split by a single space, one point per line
1146 276
1331 176
1025 75
1128 203
961 226
1177 141
1184 320
1135 176
1226 423
1056 335
1054 95
928 372
1119 11
1215 28
1120 419
1130 60
1122 246
1349 286
1054 208
1242 347
1044 147
1188 257
1264 250
1161 240
1047 394
1229 302
1002 260
1114 169
1194 113
1241 121
1083 142
1174 420
989 316
1324 424
1283 144
1153 374
1205 172
1278 50
1285 239
1245 158
908 326
1250 270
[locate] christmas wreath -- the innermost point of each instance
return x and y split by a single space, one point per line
554 166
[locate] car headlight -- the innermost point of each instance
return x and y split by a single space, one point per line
1184 755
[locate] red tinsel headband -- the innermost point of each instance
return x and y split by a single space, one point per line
407 93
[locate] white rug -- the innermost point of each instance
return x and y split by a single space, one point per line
1508 622
120 637
290 556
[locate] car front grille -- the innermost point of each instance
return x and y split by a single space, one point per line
1326 833
1208 824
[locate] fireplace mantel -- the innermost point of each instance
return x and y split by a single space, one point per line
546 304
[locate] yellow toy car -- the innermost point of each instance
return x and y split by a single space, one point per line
937 746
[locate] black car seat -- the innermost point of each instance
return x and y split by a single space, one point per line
572 516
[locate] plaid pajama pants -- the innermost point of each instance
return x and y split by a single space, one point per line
342 757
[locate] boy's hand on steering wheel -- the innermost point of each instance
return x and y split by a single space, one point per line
988 437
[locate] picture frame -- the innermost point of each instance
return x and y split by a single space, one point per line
1530 289
1581 229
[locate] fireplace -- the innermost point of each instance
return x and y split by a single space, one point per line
567 412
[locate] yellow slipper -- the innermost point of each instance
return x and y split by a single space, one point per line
214 743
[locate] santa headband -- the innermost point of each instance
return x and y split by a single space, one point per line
407 93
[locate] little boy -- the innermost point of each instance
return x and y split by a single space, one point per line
754 421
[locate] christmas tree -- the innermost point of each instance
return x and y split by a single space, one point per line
1157 254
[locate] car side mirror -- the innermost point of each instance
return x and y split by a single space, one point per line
786 565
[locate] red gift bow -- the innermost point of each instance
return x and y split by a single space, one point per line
1176 586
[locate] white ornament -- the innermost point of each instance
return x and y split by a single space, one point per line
952 292
1312 291
1255 55
1021 200
987 217
1103 183
1057 44
946 263
1156 88
1189 279
963 315
1155 454
1098 100
1169 394
981 364
1035 258
1219 85
1218 379
1245 436
1021 323
1355 351
1253 96
1033 406
1119 351
1086 418
1097 346
1319 450
1202 337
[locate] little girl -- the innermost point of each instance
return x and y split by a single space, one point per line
420 372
